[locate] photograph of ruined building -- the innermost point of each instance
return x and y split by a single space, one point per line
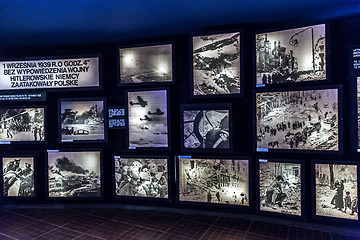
301 120
280 187
294 55
220 181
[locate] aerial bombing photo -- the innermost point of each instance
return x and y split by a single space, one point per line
294 55
336 191
146 64
214 181
206 129
22 124
280 187
305 120
148 119
216 64
82 120
141 177
74 174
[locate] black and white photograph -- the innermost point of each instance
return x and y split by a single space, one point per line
358 110
206 129
141 177
18 177
148 119
147 64
82 120
74 174
336 191
22 124
220 181
298 120
280 187
293 55
216 64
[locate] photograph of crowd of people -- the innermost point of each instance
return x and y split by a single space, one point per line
206 129
22 124
82 120
141 177
336 191
280 187
221 181
216 64
74 174
148 64
148 116
18 176
305 120
294 55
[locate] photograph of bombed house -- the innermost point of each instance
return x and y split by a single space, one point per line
74 174
206 129
336 191
141 177
216 64
294 55
18 176
149 64
22 124
222 181
300 120
148 119
82 120
280 187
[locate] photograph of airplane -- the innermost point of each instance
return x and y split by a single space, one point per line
140 102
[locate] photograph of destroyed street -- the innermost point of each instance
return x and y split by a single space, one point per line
216 64
150 64
336 191
74 174
82 121
294 55
141 177
217 181
301 120
280 187
22 124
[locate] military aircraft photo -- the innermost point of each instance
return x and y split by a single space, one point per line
140 102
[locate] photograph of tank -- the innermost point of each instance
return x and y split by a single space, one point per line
280 187
222 181
22 124
148 64
216 64
18 176
294 55
301 120
74 174
82 120
336 191
141 177
147 115
206 129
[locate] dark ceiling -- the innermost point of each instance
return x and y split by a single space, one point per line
29 23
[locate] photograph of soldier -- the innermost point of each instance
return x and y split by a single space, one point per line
82 120
22 124
336 190
18 176
214 181
74 174
206 129
280 187
150 64
141 177
294 55
216 64
148 119
301 120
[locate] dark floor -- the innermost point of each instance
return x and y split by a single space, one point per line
117 223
